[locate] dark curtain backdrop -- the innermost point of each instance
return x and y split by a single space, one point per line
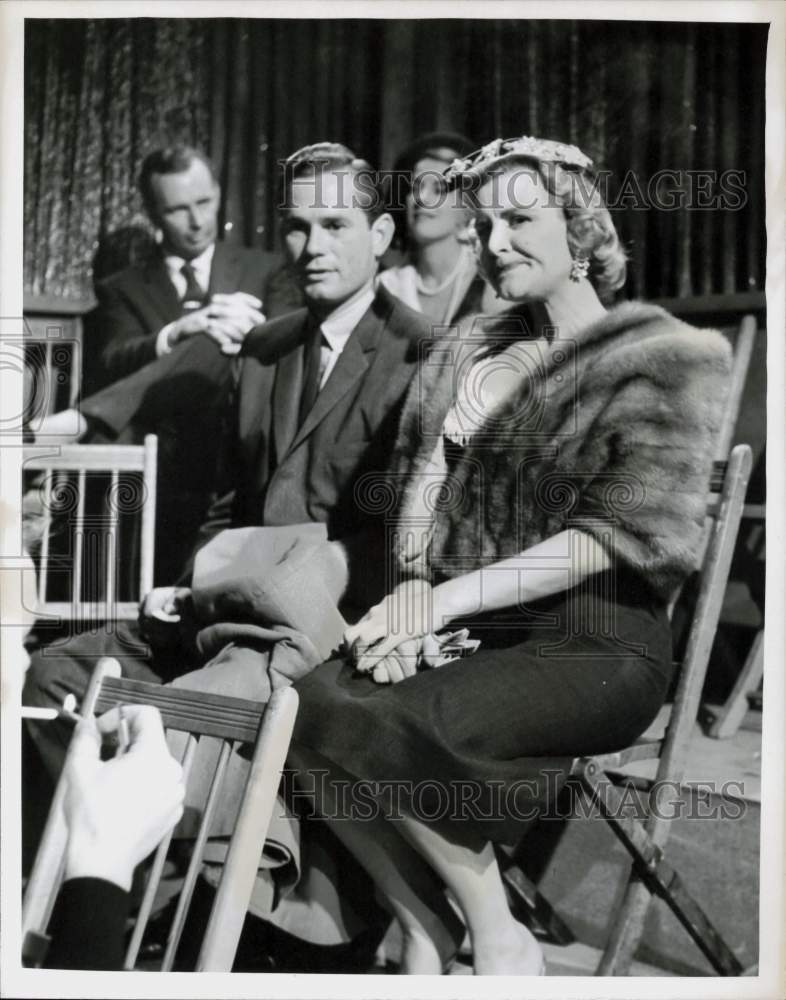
100 94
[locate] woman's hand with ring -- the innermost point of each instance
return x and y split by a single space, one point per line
406 613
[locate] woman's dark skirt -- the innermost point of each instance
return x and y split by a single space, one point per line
487 740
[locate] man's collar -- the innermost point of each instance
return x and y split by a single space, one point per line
338 325
201 264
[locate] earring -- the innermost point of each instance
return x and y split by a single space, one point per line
579 268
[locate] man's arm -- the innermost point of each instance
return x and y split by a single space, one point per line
226 319
88 925
117 811
128 345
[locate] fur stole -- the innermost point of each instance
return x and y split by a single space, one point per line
612 432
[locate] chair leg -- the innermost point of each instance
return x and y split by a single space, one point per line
730 715
626 930
526 897
652 875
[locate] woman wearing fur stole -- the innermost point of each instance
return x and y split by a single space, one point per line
553 464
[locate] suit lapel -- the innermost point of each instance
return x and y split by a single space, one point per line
269 399
352 364
224 270
287 390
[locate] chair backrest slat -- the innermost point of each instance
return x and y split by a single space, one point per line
156 869
148 533
111 547
195 863
43 572
79 539
93 549
91 457
201 712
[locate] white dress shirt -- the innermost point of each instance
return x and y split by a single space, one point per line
337 329
200 264
174 266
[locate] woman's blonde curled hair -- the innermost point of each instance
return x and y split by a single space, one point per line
566 174
591 232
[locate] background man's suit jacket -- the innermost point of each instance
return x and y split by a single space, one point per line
135 303
280 471
182 396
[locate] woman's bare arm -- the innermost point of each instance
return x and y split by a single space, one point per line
415 609
553 565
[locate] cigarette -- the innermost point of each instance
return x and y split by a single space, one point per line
44 714
50 714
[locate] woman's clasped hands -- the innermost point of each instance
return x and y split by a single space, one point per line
388 641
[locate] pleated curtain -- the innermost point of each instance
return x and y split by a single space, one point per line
640 98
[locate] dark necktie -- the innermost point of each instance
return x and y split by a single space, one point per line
194 296
312 371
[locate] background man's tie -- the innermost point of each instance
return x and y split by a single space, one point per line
194 296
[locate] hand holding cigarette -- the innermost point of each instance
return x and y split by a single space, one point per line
118 810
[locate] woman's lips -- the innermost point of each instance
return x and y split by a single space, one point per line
501 269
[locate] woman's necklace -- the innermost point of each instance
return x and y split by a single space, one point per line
421 288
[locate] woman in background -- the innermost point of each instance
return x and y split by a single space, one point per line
551 480
439 276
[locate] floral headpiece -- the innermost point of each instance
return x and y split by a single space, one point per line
545 150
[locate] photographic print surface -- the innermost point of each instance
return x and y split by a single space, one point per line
390 415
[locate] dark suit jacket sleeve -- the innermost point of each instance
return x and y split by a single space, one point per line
128 344
88 923
221 512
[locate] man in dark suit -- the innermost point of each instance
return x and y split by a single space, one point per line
153 317
193 284
316 403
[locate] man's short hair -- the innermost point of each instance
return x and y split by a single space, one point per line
169 160
333 156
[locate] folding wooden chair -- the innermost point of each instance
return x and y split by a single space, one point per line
85 529
651 872
268 728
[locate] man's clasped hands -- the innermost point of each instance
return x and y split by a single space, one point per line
227 318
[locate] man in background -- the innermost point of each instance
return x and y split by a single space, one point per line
192 284
177 319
